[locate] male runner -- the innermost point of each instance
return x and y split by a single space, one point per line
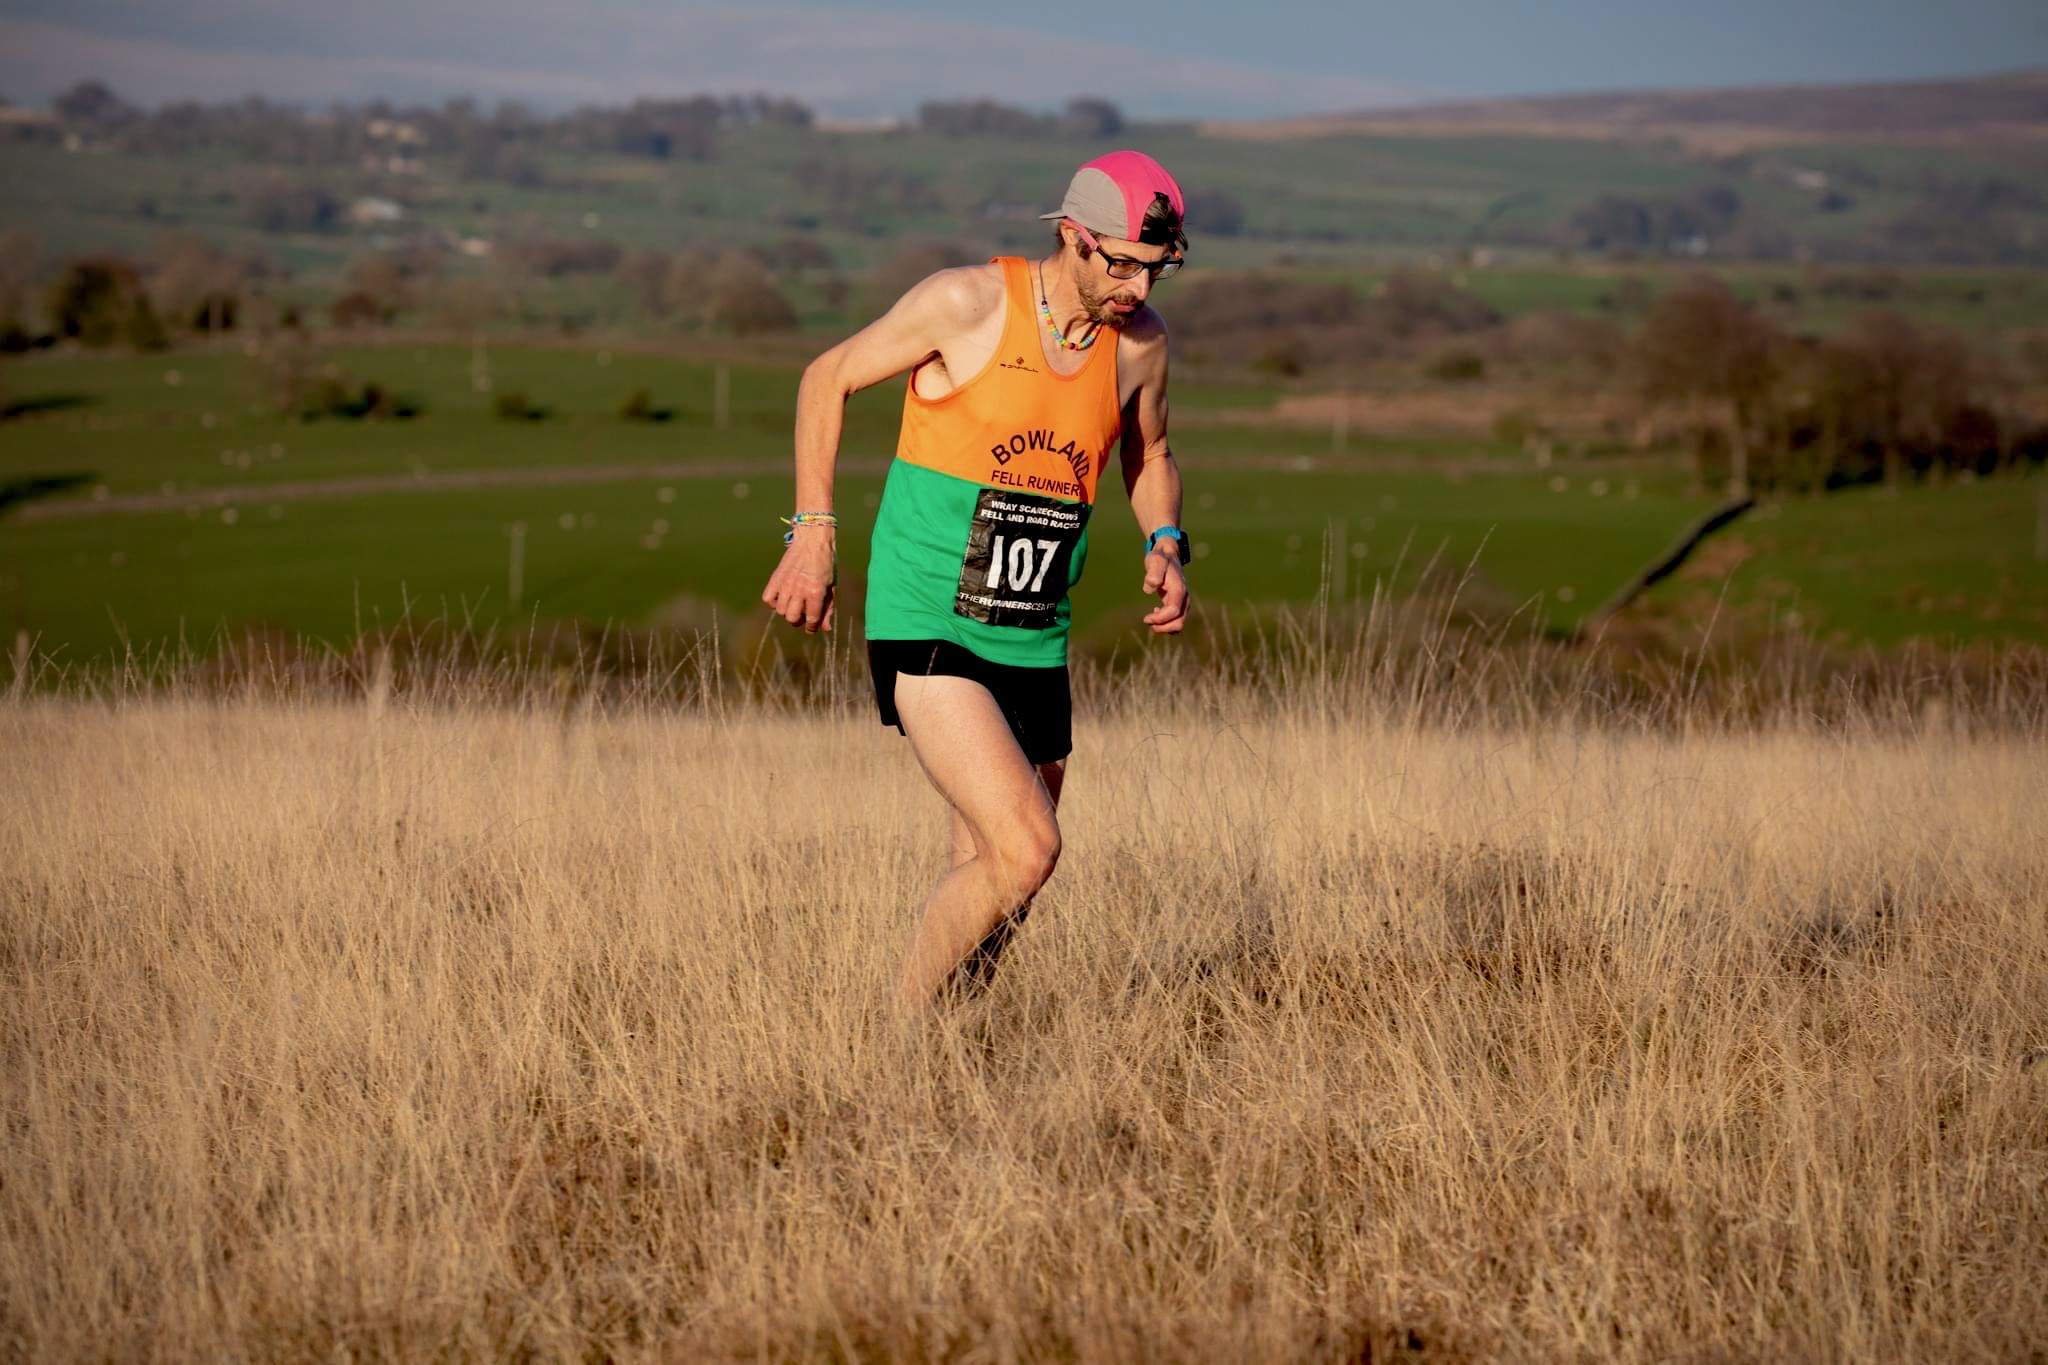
1023 376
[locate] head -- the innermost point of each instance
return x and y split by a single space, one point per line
1123 212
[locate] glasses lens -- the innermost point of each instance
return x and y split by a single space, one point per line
1125 268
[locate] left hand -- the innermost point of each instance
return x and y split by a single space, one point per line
1164 580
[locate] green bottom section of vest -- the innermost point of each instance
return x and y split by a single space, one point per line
987 568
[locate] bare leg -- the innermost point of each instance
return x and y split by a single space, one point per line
963 838
1002 804
978 969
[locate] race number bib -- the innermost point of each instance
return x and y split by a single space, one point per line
1019 552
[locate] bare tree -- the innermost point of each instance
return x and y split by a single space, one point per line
1701 348
197 287
19 255
643 274
907 265
686 284
744 299
470 304
1910 380
376 287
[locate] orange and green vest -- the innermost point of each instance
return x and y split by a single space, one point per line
983 526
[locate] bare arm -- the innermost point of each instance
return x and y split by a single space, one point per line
1151 477
935 310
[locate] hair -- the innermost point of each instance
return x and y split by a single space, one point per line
1162 226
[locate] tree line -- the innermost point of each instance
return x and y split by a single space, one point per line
484 143
1885 397
1753 402
500 143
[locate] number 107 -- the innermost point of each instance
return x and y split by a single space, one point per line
1026 568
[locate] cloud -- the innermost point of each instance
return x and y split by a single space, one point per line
844 61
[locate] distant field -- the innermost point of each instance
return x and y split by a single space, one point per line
844 191
1951 563
1351 203
1277 517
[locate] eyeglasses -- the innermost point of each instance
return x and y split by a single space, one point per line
1129 267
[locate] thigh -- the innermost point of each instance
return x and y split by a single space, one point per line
1052 775
965 747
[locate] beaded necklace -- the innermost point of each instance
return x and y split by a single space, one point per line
1045 311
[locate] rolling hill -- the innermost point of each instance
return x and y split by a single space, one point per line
2010 107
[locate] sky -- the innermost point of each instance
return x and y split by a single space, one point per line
868 58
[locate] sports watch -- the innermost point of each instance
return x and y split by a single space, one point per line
1180 539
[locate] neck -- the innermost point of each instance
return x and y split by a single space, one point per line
1059 293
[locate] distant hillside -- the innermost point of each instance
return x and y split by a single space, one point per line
591 207
2011 107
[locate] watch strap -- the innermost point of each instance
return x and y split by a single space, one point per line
1180 539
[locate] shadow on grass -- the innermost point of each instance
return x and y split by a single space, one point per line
46 402
36 486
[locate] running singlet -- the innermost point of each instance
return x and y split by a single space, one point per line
984 519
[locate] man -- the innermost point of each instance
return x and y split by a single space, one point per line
1023 376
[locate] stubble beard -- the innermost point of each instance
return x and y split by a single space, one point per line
1097 306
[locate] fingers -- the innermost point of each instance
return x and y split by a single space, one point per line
799 598
1167 620
1163 623
1177 597
817 609
1170 616
810 608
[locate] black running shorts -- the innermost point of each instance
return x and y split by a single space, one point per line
1038 702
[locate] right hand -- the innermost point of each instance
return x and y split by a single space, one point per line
800 589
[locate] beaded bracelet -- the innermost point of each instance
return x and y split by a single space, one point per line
806 519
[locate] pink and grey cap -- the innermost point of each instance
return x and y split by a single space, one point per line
1110 194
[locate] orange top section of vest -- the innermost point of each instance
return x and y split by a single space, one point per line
1016 424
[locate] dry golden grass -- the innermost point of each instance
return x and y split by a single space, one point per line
332 1030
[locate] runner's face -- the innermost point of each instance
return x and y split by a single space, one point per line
1110 302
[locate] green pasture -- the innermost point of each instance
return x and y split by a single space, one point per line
679 551
1951 563
189 420
683 529
194 419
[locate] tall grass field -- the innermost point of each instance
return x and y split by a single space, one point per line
1369 1017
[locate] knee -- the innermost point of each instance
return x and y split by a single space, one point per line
1029 857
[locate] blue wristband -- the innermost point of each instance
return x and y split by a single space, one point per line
1179 537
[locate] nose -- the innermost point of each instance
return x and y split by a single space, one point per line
1139 285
